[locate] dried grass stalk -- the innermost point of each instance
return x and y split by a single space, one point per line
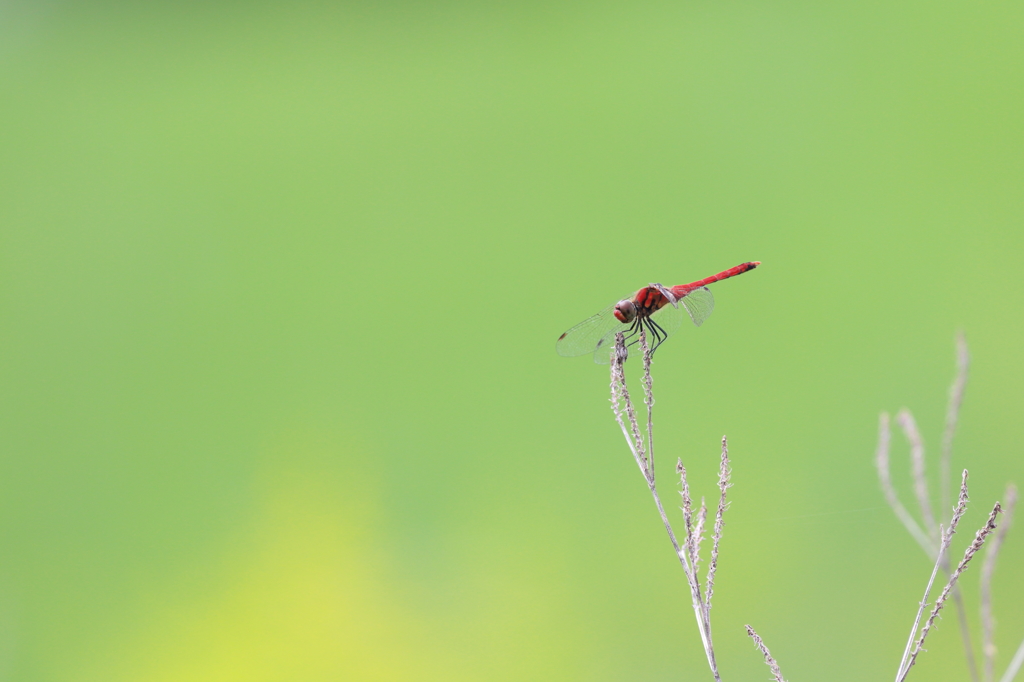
972 549
698 534
620 398
956 399
906 421
988 567
687 508
1015 665
724 474
947 537
928 538
767 654
648 398
884 477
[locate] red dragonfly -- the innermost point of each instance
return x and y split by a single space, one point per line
656 308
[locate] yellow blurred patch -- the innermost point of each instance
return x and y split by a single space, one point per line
313 585
303 595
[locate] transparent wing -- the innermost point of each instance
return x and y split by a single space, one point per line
699 303
603 348
590 334
667 321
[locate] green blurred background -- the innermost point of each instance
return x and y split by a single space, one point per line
279 290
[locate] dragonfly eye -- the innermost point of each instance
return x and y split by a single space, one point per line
625 311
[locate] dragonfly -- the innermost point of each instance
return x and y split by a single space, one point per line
657 309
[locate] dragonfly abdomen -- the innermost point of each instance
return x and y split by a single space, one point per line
683 289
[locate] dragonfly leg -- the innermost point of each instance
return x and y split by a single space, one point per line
630 336
658 332
653 333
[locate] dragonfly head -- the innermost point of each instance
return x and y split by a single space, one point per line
625 311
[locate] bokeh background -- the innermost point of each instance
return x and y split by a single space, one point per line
279 290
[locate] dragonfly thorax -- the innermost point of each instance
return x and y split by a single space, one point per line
625 311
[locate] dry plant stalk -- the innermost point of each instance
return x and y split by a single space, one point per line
689 552
1015 665
909 426
698 534
930 538
988 567
956 399
933 538
947 538
724 474
972 549
767 654
882 464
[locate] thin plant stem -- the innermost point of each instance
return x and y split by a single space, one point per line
723 484
961 619
928 540
698 535
972 549
917 619
884 477
620 395
956 399
648 397
694 586
988 567
687 509
616 401
909 426
947 537
688 542
769 661
1015 665
620 398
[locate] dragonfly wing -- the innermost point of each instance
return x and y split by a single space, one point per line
668 319
698 303
603 349
590 334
